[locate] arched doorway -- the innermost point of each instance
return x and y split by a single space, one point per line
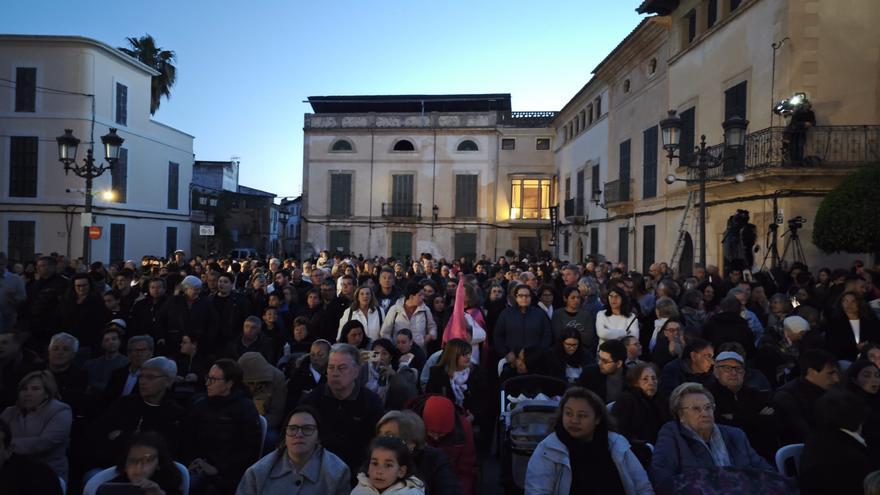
686 261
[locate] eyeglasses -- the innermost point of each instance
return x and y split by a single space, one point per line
731 369
708 407
213 379
606 361
149 377
571 346
708 356
141 461
341 369
307 430
523 295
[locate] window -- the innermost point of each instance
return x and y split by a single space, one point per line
342 145
401 245
508 144
170 240
121 104
119 176
566 242
530 199
23 167
648 238
652 66
649 153
598 104
735 105
173 181
403 196
117 242
626 85
583 117
465 245
691 25
340 194
340 241
579 187
468 145
688 136
568 187
623 245
594 241
624 170
595 178
25 89
466 195
404 145
20 244
542 144
590 113
711 13
577 126
734 4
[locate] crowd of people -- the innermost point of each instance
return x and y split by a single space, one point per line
348 375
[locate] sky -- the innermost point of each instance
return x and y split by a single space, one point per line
244 68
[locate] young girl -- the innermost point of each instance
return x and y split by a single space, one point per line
390 470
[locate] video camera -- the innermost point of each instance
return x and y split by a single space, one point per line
796 223
790 105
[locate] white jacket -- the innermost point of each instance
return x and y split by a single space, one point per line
420 324
615 327
372 322
410 486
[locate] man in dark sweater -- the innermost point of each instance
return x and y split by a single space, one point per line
352 411
606 377
794 402
521 326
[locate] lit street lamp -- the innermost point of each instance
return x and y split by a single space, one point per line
734 141
67 147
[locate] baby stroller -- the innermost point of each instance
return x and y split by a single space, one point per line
528 410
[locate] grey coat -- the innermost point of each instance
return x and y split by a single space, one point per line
42 435
325 474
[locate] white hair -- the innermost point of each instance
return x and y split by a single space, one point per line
65 337
166 366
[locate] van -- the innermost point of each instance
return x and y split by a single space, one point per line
244 253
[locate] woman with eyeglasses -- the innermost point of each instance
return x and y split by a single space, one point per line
299 462
148 465
693 441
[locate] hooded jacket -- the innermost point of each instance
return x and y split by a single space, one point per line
273 396
549 470
409 486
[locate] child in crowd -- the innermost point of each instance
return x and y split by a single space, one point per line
390 470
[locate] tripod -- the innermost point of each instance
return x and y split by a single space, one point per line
793 242
772 249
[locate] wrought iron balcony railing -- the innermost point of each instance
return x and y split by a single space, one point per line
618 191
402 210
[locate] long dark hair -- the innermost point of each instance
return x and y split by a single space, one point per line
390 347
348 327
578 357
400 450
852 374
625 303
596 404
166 476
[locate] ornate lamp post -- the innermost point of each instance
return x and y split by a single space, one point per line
734 141
67 147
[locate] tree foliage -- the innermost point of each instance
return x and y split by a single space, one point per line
145 50
848 218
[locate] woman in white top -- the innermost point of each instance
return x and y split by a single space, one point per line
365 309
618 320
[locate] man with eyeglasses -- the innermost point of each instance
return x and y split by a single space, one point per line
351 409
694 365
738 404
521 326
606 377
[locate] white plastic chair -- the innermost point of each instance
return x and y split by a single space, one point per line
501 364
787 452
108 474
63 485
610 406
264 430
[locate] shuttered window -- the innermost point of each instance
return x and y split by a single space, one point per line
624 170
20 244
340 241
688 136
170 241
117 242
121 104
649 152
594 241
735 105
25 89
401 245
466 195
466 245
648 242
119 177
340 194
173 185
623 245
23 167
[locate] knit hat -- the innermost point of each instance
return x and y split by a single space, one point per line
439 415
795 324
255 367
729 355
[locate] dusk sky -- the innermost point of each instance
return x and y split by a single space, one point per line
244 68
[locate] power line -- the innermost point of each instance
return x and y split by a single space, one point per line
44 89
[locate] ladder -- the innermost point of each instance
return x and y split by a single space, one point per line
682 230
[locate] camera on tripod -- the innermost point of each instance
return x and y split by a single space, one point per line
789 105
796 223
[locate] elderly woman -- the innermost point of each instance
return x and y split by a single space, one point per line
780 309
582 455
694 441
432 465
39 422
639 411
365 309
299 465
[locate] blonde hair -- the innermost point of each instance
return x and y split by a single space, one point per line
46 378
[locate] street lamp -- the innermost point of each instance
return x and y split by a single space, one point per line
734 140
596 197
67 148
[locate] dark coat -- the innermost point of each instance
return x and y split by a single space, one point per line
729 327
794 403
128 415
833 462
144 318
332 315
476 397
841 340
116 384
225 431
85 321
40 312
232 311
300 381
179 317
264 345
515 330
778 360
22 475
638 416
13 371
743 410
593 379
353 423
674 374
432 467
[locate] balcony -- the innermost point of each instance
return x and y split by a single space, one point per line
568 208
574 208
618 191
826 146
402 210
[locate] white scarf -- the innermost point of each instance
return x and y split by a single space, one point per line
459 384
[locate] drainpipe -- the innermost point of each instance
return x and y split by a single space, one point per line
370 213
433 179
495 195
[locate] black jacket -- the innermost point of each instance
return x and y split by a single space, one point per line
841 340
22 475
432 467
264 345
638 416
743 410
833 462
85 321
794 403
200 318
225 431
129 415
593 379
300 381
116 384
475 397
351 423
232 311
144 318
729 327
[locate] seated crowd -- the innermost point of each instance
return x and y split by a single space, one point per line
341 375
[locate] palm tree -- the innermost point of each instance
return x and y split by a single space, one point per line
145 50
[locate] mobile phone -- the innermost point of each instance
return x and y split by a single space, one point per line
374 356
115 488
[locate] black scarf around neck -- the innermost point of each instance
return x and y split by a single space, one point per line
592 469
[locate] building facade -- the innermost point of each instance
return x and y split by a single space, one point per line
450 175
53 83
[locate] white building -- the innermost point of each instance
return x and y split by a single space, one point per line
52 83
453 175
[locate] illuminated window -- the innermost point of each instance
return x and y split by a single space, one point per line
530 199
